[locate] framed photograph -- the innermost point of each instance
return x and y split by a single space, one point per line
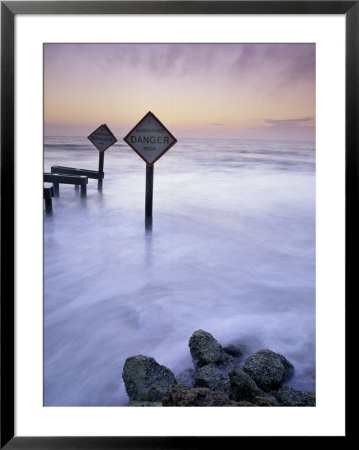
178 182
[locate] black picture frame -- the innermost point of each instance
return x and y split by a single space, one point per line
9 9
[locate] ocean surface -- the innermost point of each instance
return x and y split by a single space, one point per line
232 252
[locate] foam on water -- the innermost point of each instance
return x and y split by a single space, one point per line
232 252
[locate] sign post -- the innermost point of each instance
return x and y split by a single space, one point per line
102 138
149 196
150 139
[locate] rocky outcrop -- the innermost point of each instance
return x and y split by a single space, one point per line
206 350
139 403
146 380
288 396
268 369
211 377
266 401
184 396
242 387
218 378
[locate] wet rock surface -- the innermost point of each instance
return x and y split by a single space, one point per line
138 403
268 369
288 396
219 378
211 377
184 396
206 350
242 387
146 380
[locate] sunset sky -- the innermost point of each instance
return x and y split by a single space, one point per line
245 91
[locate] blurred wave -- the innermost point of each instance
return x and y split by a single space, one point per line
232 252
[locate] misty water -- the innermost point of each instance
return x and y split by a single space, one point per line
232 252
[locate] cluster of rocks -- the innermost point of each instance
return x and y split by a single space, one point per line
218 378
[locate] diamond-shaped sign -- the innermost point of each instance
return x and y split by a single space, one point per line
102 138
150 139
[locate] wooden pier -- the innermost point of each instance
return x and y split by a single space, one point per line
81 172
57 179
48 194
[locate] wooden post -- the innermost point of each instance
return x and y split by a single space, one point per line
101 158
149 196
56 189
48 194
48 204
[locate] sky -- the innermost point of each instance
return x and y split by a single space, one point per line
236 91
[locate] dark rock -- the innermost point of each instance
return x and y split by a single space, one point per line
268 369
229 364
212 378
235 349
206 350
146 380
266 401
288 396
242 387
137 403
186 378
184 396
221 399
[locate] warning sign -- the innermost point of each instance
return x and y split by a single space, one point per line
150 139
102 138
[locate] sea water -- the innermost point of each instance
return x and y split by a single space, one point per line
232 252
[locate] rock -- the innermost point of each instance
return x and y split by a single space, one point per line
137 403
212 378
242 387
184 396
146 380
231 363
266 401
221 399
205 349
235 349
186 378
288 396
268 369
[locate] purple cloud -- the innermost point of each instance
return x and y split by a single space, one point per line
287 62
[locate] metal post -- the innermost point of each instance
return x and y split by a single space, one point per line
149 196
101 158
